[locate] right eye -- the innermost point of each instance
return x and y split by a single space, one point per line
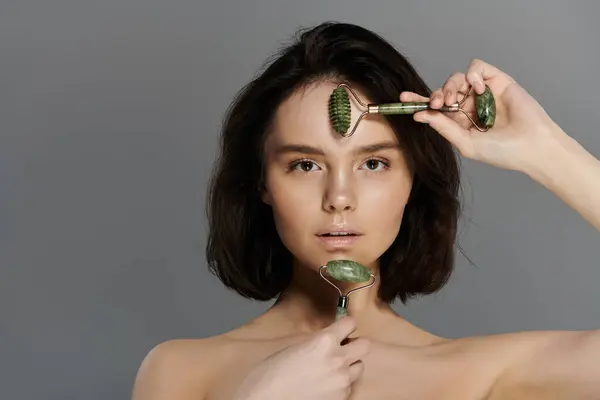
304 165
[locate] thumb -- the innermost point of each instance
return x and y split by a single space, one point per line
449 129
341 328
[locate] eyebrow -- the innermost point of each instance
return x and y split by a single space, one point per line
306 149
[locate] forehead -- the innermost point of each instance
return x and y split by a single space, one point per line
303 117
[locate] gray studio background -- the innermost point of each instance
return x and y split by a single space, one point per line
109 117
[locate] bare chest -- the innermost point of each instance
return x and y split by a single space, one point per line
390 373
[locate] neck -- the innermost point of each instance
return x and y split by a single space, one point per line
309 303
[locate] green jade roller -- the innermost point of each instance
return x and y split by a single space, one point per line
340 111
347 271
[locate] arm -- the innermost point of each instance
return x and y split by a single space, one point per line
558 364
551 365
523 138
572 173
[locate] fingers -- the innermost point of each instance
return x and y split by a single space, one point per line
456 83
480 71
340 329
448 94
356 370
412 97
356 350
437 98
449 129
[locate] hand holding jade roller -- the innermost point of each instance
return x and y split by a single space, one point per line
346 271
521 132
502 125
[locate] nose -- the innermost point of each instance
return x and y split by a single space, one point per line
340 194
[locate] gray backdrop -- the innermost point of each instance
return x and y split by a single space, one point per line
110 112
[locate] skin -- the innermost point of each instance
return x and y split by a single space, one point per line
294 349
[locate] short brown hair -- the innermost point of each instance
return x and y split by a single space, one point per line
244 250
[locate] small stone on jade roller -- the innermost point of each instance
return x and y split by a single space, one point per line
486 108
348 271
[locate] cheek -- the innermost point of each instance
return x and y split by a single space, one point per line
384 209
293 207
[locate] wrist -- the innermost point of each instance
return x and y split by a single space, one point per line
551 157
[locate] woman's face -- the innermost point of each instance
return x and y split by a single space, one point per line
321 185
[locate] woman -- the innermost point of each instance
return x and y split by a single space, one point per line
286 186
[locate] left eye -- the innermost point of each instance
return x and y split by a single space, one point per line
373 164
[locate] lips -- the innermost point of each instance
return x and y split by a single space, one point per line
339 232
339 238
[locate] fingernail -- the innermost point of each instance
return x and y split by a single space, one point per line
420 118
480 86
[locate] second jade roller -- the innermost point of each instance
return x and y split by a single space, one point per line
346 271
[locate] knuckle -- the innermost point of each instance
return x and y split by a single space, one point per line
337 363
342 381
475 62
347 381
473 76
361 368
450 84
459 78
324 340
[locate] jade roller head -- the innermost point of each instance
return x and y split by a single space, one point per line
346 271
340 110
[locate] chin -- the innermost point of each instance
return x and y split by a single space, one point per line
313 255
315 261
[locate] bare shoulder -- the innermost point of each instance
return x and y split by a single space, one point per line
524 364
200 369
179 369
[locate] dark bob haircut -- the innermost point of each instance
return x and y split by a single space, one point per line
244 250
